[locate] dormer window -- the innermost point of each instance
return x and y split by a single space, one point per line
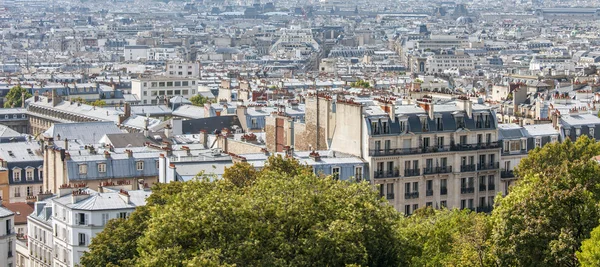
567 132
591 132
29 174
374 128
82 168
139 165
424 125
439 124
386 127
17 174
538 142
460 122
403 127
577 132
101 167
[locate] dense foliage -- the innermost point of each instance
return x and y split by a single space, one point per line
286 215
198 100
14 97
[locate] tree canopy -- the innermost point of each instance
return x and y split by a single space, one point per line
13 98
284 214
198 100
287 216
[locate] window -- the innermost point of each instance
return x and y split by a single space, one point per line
403 128
185 83
440 142
482 183
415 187
426 142
184 92
177 92
82 169
488 139
82 239
335 173
515 145
10 251
577 132
406 209
105 218
358 173
591 131
177 83
415 207
538 142
17 175
429 188
491 184
443 204
161 84
189 73
8 227
81 219
463 204
424 125
471 203
390 191
428 204
443 186
139 165
102 167
463 139
122 215
29 191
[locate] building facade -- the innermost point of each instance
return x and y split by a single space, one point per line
155 90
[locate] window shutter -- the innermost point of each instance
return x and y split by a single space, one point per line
77 219
86 219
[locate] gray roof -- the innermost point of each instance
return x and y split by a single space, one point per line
20 151
106 201
540 130
84 132
579 119
4 212
8 132
510 131
123 140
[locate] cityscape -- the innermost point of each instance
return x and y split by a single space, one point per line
203 132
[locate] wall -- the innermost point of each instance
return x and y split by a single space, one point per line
349 128
317 122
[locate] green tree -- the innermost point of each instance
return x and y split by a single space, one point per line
13 98
99 103
552 209
589 256
241 174
446 238
285 218
198 100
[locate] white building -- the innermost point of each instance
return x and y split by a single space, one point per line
185 69
7 238
80 215
151 90
135 52
440 63
162 53
294 41
40 239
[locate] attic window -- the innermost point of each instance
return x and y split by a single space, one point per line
10 153
29 151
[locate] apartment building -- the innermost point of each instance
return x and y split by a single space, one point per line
437 64
425 152
41 235
21 162
7 238
183 69
154 90
79 214
516 142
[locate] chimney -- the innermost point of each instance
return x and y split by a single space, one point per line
171 173
78 195
555 117
187 150
203 136
127 113
289 151
129 153
464 103
36 96
315 156
124 195
55 98
146 132
67 189
106 154
66 144
67 156
168 131
23 100
162 172
430 111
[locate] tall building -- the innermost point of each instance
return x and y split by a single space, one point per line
154 90
41 235
7 238
81 213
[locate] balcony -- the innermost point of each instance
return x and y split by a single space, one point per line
436 170
514 152
390 196
488 166
491 187
428 193
443 191
482 187
412 172
382 174
467 168
411 195
507 174
467 190
432 149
